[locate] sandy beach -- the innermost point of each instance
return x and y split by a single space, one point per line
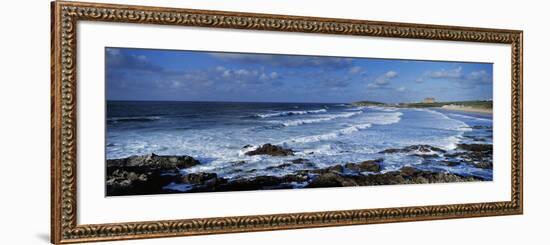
467 108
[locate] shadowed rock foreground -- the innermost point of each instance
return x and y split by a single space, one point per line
154 174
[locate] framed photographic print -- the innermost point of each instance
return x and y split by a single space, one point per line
174 122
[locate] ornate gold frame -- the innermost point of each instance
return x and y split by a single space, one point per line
65 16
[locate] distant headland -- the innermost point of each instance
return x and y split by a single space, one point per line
482 106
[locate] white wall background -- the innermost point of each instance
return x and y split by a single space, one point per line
25 107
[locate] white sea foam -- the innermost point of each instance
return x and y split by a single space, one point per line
472 118
383 118
246 149
370 118
451 142
331 135
458 125
386 109
290 113
297 122
134 119
358 108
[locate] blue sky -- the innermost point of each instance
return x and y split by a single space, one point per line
146 74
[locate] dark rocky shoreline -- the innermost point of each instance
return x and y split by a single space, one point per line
150 174
144 174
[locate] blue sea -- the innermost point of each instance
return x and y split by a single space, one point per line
216 133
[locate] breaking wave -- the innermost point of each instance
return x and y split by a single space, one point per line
289 113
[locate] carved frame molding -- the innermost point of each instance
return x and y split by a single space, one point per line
66 15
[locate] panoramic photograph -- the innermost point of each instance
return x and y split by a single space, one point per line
198 121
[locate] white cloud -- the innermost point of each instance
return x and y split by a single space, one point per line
269 76
175 84
446 74
372 85
356 70
286 60
458 76
142 57
240 76
382 80
335 82
385 79
202 78
243 72
401 89
226 73
479 76
391 74
264 77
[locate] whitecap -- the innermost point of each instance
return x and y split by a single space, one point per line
290 113
133 119
358 108
297 122
459 125
472 118
332 135
385 109
246 149
383 118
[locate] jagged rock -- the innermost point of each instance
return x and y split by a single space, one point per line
411 175
121 182
284 165
261 182
450 163
475 147
272 150
484 165
334 169
124 179
370 166
426 155
413 148
154 161
299 160
238 162
150 174
331 179
408 171
198 178
477 155
137 175
405 175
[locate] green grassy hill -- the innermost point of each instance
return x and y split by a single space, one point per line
482 104
368 103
